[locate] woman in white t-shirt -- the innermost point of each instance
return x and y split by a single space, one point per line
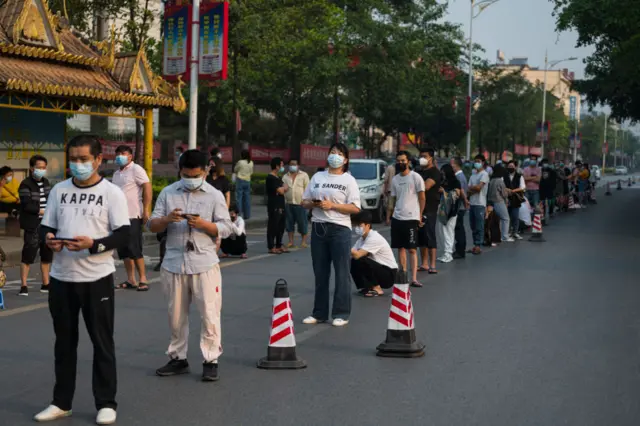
332 196
373 266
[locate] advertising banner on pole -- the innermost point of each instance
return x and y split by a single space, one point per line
214 30
177 41
572 107
543 136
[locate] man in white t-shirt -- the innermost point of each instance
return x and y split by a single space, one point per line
83 223
405 213
478 187
373 266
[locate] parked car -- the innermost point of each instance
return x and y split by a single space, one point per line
595 170
370 177
621 170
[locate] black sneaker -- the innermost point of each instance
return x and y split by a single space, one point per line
24 291
210 372
173 368
44 288
458 255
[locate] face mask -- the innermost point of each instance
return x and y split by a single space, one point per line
219 155
512 171
478 166
233 218
39 173
81 171
281 170
359 230
561 165
532 163
192 183
122 160
544 166
293 169
335 161
9 179
424 162
474 172
401 167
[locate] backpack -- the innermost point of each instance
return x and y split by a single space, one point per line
449 206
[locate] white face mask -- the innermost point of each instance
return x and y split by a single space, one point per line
423 162
359 230
192 183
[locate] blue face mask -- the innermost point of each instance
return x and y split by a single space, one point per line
293 169
477 166
39 173
122 160
281 170
81 171
335 161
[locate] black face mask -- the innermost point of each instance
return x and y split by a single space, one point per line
512 171
401 167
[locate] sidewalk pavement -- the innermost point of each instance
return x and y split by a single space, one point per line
12 246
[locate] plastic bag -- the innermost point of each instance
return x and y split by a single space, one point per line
525 212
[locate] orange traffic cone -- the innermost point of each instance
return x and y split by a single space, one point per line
281 353
536 229
401 334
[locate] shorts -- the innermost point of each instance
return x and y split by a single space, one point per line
296 215
404 234
427 234
33 243
133 250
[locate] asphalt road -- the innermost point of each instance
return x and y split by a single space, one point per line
526 334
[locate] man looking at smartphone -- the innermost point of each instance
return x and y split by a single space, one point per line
83 223
194 213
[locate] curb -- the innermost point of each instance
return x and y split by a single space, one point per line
148 239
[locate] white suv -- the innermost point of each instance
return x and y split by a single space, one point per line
370 177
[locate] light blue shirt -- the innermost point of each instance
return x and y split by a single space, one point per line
211 205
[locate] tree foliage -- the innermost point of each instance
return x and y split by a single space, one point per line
611 26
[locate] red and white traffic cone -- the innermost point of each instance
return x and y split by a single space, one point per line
619 188
281 353
608 193
572 204
401 334
536 229
629 184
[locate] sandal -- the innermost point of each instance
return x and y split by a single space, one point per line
371 293
417 284
223 256
126 285
284 250
433 271
244 256
143 287
423 269
275 251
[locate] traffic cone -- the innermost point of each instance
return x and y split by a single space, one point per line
401 334
536 229
608 193
629 184
281 352
572 203
619 188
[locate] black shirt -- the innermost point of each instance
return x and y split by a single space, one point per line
221 183
274 200
547 183
432 195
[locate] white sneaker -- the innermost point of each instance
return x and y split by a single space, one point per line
517 236
508 240
447 258
106 416
339 322
51 413
310 320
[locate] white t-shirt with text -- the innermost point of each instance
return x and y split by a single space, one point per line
339 189
95 212
378 248
406 189
479 198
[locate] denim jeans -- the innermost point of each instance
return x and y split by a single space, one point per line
503 214
476 220
331 243
514 214
296 214
533 195
243 198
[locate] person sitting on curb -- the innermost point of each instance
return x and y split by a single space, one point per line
236 243
373 266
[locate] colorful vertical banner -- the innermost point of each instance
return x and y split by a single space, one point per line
177 41
572 107
543 136
214 30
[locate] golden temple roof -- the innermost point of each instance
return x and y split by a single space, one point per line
39 54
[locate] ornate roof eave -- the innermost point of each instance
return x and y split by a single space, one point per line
43 53
19 25
178 103
108 49
141 58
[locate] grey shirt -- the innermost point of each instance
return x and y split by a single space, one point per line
497 191
211 205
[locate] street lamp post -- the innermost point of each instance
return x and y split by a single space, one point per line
548 65
482 5
604 151
193 65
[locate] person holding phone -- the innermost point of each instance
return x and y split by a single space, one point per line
333 196
194 214
83 224
276 189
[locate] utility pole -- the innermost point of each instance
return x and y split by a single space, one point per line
604 152
193 66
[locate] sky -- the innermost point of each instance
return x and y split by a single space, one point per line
520 28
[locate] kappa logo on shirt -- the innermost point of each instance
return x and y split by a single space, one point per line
82 199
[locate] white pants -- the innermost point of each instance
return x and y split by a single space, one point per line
206 289
446 233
